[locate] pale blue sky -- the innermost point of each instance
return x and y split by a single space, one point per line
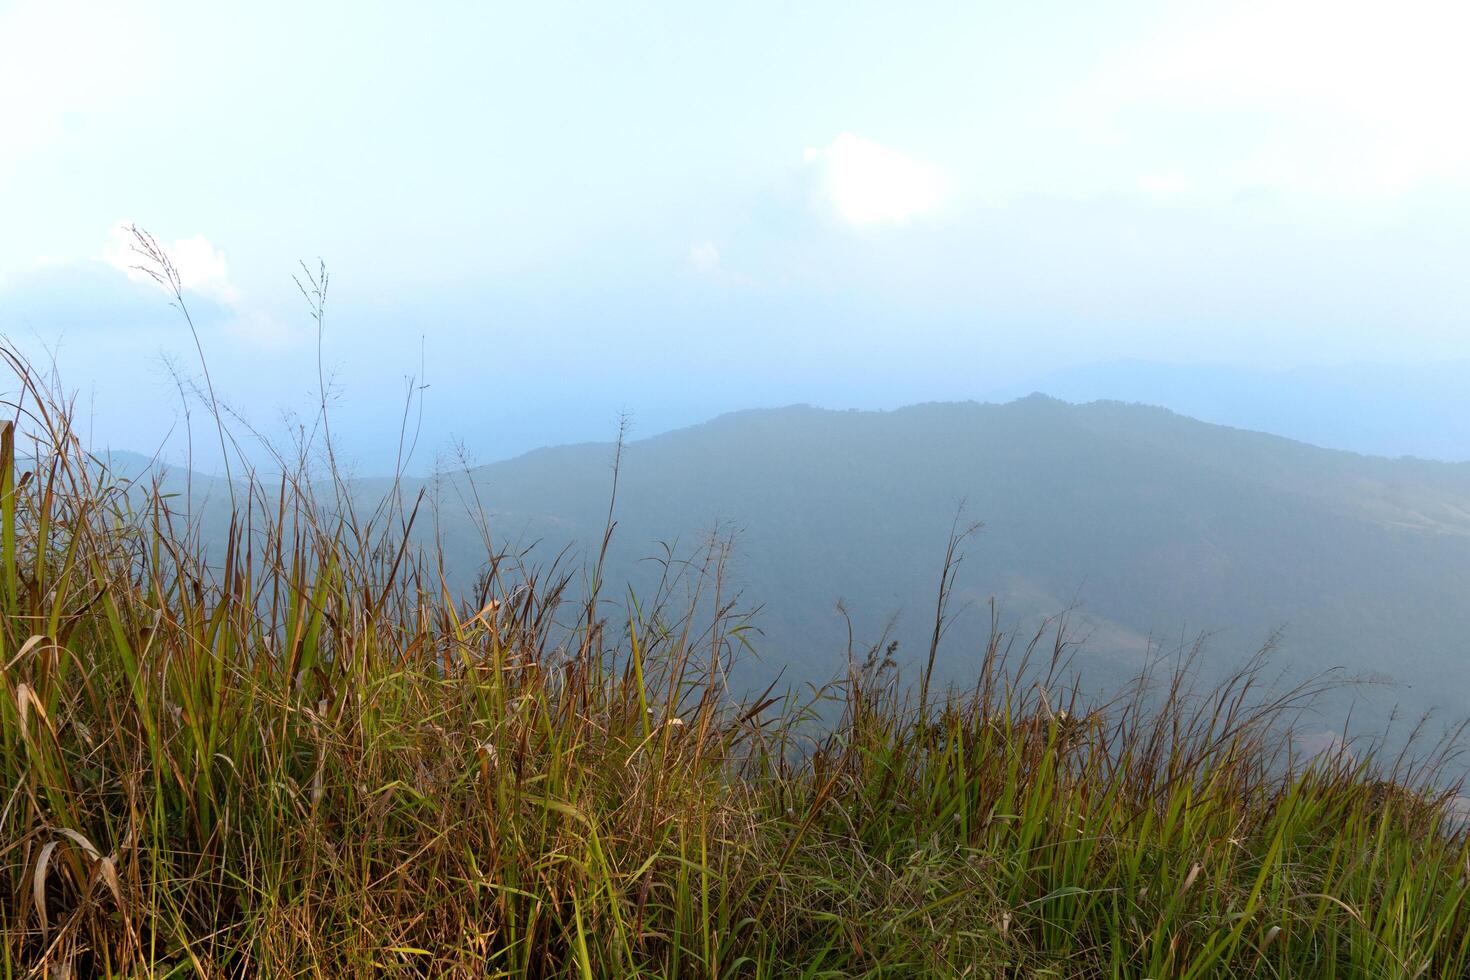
679 209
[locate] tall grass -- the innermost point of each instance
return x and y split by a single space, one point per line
299 754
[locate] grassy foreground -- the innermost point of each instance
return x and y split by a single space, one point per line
300 755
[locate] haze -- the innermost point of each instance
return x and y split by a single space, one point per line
552 214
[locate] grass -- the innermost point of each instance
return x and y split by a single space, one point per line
299 754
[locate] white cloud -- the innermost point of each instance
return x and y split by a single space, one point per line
869 184
705 256
202 267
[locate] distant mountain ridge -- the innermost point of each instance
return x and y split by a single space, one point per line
1386 409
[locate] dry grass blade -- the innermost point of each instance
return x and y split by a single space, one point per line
38 885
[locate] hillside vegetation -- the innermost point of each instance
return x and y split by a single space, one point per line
302 752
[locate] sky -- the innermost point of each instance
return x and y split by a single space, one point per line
538 217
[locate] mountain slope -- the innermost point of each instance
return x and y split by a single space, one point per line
1384 408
